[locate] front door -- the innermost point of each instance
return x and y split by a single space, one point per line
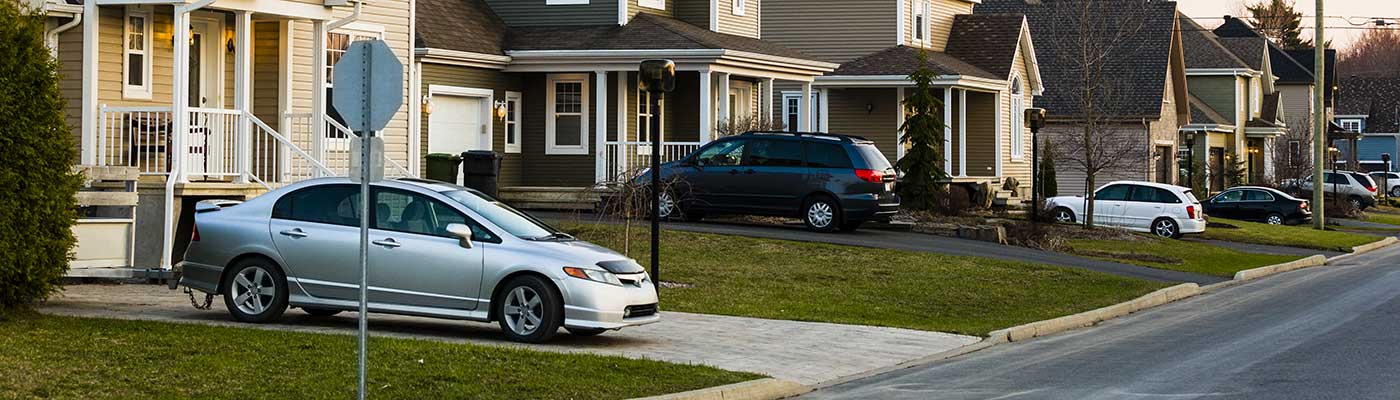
205 130
456 126
413 260
1163 156
1217 169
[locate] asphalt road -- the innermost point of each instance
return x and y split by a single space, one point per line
1321 333
910 241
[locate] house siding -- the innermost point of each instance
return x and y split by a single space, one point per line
741 25
982 134
940 21
1069 175
1216 91
471 77
1011 167
696 12
537 13
1297 105
634 8
110 63
70 85
553 170
805 25
848 116
266 63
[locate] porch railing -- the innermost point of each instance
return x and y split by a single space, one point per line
135 137
622 159
335 149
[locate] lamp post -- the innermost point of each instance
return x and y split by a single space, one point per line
1035 119
657 77
1190 159
1332 153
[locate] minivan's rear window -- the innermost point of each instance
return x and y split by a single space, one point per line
874 159
827 155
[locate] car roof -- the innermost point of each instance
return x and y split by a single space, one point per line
432 185
811 135
1151 184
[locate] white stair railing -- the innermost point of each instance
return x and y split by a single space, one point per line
276 161
392 169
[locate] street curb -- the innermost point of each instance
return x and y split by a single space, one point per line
1365 248
1091 317
1256 273
758 389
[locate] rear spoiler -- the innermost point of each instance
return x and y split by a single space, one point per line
215 205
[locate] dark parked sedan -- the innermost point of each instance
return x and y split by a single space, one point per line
1250 203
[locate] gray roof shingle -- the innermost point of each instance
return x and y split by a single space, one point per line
461 25
987 41
1138 69
644 32
1202 48
1374 97
903 60
1250 50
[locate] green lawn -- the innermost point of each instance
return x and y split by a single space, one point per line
82 358
1291 236
1382 218
1176 255
804 281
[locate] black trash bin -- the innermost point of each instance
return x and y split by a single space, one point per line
443 167
481 168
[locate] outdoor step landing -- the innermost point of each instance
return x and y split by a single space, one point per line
805 352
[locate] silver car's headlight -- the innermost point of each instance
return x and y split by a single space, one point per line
593 275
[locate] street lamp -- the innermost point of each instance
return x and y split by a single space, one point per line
1190 159
1333 152
1035 119
657 77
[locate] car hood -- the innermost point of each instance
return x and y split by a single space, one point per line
584 254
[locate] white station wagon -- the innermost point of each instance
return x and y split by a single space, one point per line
1161 209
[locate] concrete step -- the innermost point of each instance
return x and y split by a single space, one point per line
551 198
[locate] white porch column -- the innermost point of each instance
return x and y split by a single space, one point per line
707 122
242 91
318 92
823 99
180 97
767 100
996 144
89 116
947 130
284 102
962 132
623 94
899 123
804 108
600 125
723 97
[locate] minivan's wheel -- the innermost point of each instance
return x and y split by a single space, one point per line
668 205
586 331
1274 219
320 312
528 309
1166 227
821 214
255 290
1063 215
1355 202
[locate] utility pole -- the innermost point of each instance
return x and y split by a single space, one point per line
1319 125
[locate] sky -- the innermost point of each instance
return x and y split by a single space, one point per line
1209 12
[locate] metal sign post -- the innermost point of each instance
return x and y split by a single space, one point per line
657 77
369 91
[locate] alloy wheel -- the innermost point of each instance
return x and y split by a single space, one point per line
820 214
1165 228
668 205
523 311
254 290
1064 217
1395 191
1274 219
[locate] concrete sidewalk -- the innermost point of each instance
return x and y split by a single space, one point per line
804 352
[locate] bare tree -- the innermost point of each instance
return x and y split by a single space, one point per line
740 125
1097 55
1292 154
1376 53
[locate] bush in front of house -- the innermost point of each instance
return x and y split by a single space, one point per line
38 182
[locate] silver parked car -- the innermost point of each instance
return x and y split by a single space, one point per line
438 250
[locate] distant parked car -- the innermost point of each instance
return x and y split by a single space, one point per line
1163 210
1354 187
437 250
832 182
1253 203
1390 180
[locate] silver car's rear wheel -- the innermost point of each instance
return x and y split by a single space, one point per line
529 310
255 291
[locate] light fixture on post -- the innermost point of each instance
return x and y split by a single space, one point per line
500 109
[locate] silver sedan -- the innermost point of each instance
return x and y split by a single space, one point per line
437 250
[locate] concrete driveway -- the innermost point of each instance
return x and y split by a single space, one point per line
911 241
804 352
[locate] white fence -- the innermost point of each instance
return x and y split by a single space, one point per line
623 158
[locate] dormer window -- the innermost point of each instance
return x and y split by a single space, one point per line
657 4
1351 125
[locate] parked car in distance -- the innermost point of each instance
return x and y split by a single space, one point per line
1161 209
1342 185
1390 180
1261 204
437 250
832 182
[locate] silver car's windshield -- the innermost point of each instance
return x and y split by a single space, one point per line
513 221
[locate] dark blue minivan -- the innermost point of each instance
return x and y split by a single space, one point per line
832 182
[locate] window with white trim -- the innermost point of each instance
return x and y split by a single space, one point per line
566 126
792 110
1351 125
922 11
657 4
1018 126
337 43
136 56
512 122
644 116
739 6
1256 94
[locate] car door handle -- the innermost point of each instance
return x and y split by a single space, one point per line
387 242
295 232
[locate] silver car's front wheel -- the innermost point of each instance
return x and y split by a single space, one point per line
529 310
255 291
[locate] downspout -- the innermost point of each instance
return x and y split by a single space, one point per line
52 36
415 136
181 119
348 19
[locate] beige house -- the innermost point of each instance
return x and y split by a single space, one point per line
215 98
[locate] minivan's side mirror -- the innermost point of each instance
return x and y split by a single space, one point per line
463 234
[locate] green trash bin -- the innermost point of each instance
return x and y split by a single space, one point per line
443 167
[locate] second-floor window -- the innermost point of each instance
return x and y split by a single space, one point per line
1018 126
922 9
136 73
740 6
657 4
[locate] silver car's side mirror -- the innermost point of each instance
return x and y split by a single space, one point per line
463 234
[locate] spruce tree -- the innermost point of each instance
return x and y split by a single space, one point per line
922 187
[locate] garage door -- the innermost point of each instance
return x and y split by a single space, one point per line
456 126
